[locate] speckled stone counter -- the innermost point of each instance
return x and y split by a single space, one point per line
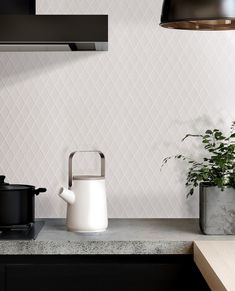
124 236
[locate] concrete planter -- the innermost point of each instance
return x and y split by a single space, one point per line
217 210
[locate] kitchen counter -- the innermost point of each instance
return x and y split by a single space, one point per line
124 236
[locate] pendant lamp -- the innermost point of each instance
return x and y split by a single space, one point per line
198 14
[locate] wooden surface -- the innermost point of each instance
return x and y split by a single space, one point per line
216 261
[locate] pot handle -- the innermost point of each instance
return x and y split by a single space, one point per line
40 190
2 178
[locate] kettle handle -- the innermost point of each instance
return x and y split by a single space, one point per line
71 164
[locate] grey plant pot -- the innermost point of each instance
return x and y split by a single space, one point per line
217 210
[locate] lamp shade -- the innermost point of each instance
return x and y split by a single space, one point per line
198 14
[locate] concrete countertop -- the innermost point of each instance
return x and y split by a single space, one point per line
124 236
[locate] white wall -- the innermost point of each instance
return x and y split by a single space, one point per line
134 102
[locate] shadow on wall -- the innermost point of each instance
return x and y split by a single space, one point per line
19 66
192 147
195 126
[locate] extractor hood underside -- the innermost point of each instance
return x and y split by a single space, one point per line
53 32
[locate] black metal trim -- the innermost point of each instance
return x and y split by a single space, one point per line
53 28
32 7
17 7
73 47
21 233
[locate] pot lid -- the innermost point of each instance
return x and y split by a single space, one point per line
13 187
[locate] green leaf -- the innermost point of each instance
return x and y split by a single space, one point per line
205 141
190 193
208 131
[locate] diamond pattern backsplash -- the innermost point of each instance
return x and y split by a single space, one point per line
134 102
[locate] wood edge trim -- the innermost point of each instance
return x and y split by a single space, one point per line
206 270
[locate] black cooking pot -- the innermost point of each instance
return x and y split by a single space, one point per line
17 203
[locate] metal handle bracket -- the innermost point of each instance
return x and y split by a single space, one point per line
71 164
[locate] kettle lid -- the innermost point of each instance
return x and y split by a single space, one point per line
85 177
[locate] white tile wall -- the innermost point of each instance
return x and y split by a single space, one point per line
134 102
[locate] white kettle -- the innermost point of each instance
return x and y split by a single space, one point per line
86 199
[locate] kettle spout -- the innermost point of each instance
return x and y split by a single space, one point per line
67 195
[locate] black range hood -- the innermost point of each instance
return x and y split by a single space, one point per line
22 30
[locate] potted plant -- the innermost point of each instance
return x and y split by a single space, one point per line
215 176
